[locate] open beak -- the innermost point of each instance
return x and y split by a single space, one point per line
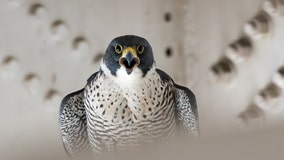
129 59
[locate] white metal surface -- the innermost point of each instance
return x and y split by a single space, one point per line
243 39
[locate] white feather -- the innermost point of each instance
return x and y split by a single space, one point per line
132 84
128 82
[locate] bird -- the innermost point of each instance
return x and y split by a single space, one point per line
128 102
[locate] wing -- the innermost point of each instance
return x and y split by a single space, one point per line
73 124
186 107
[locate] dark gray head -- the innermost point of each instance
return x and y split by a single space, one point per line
128 52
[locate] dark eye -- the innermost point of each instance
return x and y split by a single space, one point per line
118 48
140 49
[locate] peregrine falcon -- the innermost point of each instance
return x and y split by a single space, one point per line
127 103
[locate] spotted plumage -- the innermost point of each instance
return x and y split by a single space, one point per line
127 103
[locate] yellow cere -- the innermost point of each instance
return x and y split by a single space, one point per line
131 50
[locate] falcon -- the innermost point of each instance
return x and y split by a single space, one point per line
127 103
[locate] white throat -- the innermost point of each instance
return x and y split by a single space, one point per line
127 82
134 87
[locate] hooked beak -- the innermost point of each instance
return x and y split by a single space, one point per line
129 59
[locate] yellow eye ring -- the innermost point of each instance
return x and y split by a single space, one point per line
118 48
140 49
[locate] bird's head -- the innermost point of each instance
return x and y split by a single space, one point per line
127 54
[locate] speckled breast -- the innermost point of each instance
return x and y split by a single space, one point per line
119 119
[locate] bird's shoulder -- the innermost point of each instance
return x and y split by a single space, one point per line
164 76
93 77
75 97
70 99
186 90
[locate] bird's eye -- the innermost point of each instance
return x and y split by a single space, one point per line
140 49
118 48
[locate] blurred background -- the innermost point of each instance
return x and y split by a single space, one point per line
229 53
